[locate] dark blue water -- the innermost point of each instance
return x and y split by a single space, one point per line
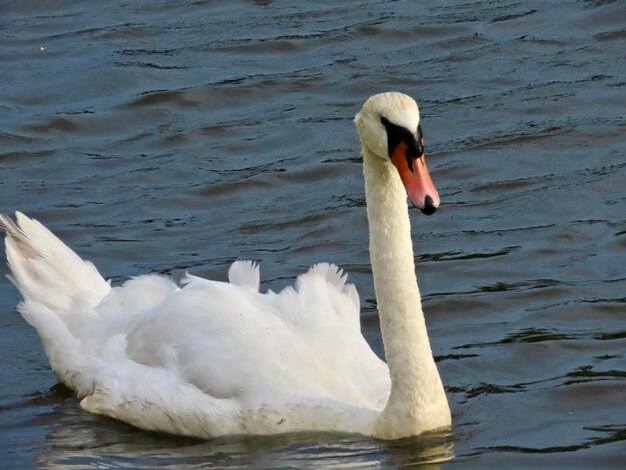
173 136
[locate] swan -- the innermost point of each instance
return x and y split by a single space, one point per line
205 358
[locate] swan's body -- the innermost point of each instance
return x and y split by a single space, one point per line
211 358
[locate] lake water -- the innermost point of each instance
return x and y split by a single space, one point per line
172 136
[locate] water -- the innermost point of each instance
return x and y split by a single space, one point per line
172 136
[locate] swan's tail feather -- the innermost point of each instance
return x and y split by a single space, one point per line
60 291
46 271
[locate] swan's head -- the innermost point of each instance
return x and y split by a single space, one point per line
389 128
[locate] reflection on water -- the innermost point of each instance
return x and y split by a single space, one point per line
173 136
97 442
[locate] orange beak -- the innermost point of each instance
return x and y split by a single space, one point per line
416 179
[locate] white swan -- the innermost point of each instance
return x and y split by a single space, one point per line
212 358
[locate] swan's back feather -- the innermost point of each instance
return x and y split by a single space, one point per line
245 274
299 329
340 297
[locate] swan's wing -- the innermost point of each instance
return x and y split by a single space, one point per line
325 295
325 310
230 341
123 308
156 399
215 358
245 274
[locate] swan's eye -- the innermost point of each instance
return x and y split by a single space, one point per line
399 134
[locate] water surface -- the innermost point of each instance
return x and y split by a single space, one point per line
173 136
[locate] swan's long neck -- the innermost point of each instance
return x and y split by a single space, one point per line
417 401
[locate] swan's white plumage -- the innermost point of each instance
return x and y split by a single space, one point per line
245 274
207 358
